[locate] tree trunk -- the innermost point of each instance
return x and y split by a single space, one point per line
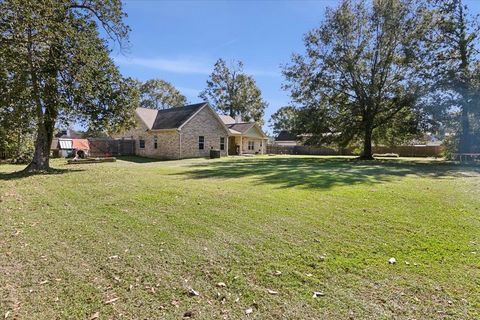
464 143
367 144
41 156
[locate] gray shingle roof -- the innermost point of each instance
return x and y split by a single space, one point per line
241 127
285 136
168 118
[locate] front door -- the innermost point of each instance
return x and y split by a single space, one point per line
232 146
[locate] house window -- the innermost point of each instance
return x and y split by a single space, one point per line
201 142
141 142
251 145
155 142
222 143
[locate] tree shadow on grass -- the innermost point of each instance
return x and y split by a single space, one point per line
315 172
20 175
138 159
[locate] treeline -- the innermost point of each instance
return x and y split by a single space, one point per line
379 71
387 71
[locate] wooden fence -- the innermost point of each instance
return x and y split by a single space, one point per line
402 151
109 147
306 150
412 151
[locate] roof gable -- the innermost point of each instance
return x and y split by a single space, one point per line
246 127
172 118
241 127
285 136
147 116
256 131
175 117
226 119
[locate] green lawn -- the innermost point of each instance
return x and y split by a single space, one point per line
145 232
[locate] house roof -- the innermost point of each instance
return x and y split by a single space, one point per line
66 143
80 144
168 118
226 119
241 127
285 136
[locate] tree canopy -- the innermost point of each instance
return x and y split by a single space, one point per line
54 57
229 90
452 71
358 74
159 94
284 119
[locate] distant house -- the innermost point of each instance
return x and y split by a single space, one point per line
286 139
65 142
65 147
191 131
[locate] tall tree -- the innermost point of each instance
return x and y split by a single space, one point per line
231 91
454 69
160 94
16 114
283 119
358 73
52 50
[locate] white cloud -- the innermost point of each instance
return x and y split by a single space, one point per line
186 66
182 65
189 92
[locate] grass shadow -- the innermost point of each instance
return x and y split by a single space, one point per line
323 173
138 159
20 175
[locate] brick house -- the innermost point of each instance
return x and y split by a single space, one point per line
189 132
244 137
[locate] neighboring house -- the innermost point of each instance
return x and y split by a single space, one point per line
245 137
191 131
66 141
64 147
285 138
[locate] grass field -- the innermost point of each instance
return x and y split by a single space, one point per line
130 239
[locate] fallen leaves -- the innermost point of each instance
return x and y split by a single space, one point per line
94 316
392 260
317 294
193 293
111 300
272 292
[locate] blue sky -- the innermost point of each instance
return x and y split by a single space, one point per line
179 41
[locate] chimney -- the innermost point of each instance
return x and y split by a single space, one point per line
238 118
